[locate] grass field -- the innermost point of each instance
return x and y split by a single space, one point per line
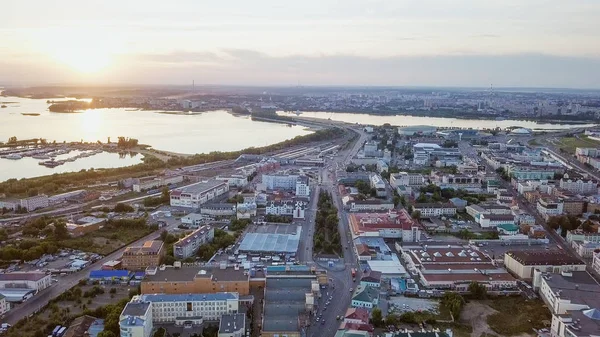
104 241
517 315
568 144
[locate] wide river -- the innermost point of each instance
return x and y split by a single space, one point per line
200 133
401 120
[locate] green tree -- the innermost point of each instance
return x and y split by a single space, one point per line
376 318
453 302
416 215
123 208
477 290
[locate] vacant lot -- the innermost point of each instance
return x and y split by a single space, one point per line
64 311
517 315
505 316
105 241
568 144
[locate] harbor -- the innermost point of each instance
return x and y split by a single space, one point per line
48 157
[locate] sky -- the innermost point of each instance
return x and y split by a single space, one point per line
474 43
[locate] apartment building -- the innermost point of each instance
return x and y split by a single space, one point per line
148 183
578 235
234 180
294 207
195 195
579 186
406 179
171 308
141 257
302 187
435 209
596 262
195 280
285 182
36 202
136 319
548 207
189 245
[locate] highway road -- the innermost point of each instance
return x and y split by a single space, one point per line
341 279
66 282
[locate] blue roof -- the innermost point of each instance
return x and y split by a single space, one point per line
109 273
287 267
189 297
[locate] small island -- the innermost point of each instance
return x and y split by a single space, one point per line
30 114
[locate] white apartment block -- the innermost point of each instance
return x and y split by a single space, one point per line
406 179
33 203
279 181
167 308
435 209
3 305
596 262
195 195
136 319
302 187
579 186
150 183
234 180
548 208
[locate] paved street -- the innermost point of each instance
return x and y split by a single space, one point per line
66 282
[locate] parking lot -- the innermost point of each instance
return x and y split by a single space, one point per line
400 304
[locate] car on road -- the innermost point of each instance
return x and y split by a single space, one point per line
351 289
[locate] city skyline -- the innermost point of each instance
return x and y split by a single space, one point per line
376 43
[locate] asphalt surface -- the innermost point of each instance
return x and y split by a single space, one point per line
64 283
340 280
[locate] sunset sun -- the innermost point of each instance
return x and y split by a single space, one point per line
84 60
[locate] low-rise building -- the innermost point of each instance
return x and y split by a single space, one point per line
435 209
29 280
455 268
149 254
365 297
188 246
549 207
579 235
523 263
394 224
232 325
222 209
193 196
136 319
149 183
370 205
291 207
459 203
496 220
585 249
85 225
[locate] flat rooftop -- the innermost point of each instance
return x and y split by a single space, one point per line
369 222
544 258
149 247
135 308
271 243
284 303
578 287
200 187
183 274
